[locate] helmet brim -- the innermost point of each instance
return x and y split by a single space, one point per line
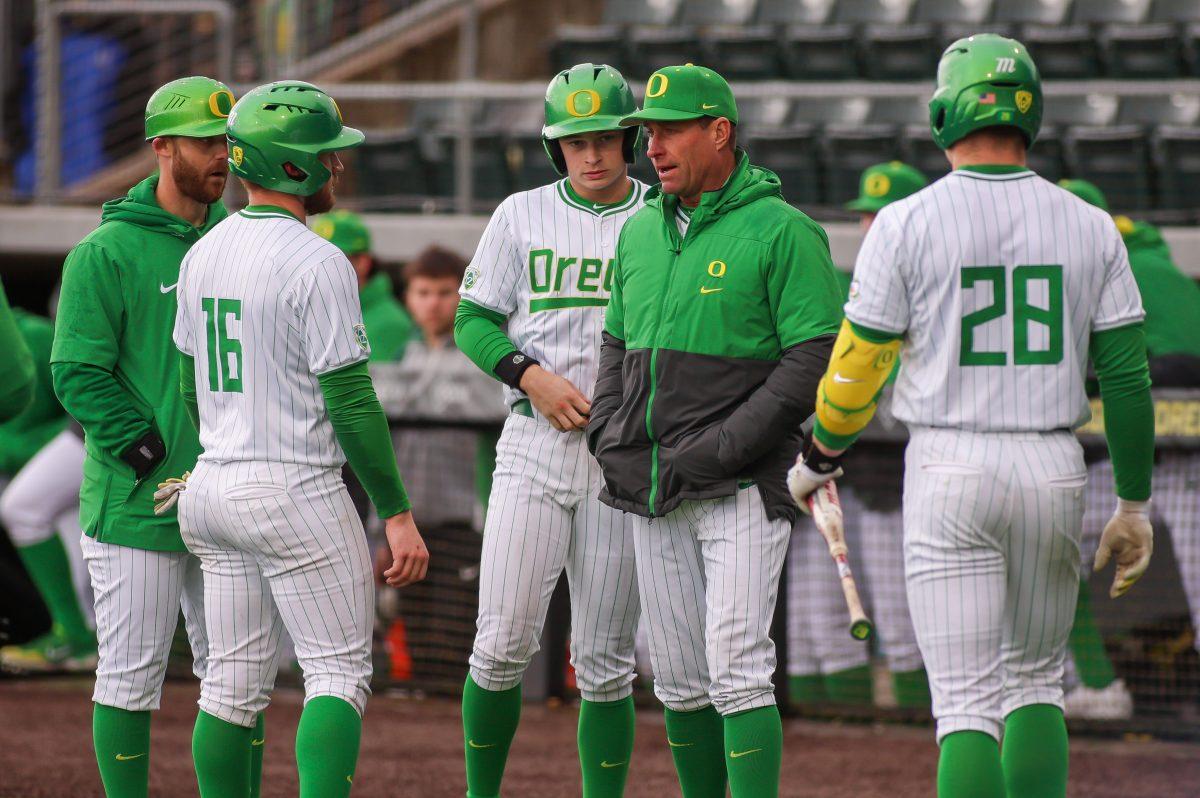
193 130
573 127
347 138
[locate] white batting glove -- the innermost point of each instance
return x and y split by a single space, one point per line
1129 538
168 493
802 480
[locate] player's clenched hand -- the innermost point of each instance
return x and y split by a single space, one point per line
1129 539
410 558
168 493
556 399
814 467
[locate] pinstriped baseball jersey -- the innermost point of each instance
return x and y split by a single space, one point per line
997 281
546 251
265 306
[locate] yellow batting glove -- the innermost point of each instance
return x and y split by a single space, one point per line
168 493
1129 539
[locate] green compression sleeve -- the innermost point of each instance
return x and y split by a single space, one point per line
1119 357
187 387
100 404
362 430
478 335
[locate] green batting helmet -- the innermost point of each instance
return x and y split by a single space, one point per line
985 81
196 107
584 99
278 131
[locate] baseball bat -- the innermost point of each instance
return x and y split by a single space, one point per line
827 513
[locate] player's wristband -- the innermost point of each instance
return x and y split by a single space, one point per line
817 460
511 367
145 453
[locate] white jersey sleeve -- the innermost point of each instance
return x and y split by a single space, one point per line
1120 301
183 336
878 293
325 300
494 277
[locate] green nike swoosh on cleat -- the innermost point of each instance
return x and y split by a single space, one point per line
740 754
127 757
349 780
611 764
474 744
257 742
674 744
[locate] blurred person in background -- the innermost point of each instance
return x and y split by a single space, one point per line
826 664
44 457
439 464
388 326
1172 303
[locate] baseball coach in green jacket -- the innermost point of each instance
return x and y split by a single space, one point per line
723 313
115 369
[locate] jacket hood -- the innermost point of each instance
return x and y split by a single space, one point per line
140 207
746 184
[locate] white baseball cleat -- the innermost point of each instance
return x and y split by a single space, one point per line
1114 702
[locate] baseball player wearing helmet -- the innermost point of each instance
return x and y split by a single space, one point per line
532 302
1172 303
273 368
114 365
724 308
997 287
826 663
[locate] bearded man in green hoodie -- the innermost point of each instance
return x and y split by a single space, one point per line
115 370
723 312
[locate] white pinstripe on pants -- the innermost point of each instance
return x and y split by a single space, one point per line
138 597
544 516
281 546
991 541
708 573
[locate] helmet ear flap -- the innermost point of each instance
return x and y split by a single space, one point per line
633 139
555 154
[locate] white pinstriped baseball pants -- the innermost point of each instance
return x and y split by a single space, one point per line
281 546
138 597
543 517
708 573
991 543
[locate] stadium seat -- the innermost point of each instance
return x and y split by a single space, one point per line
817 111
1177 11
1151 110
955 19
899 111
1177 155
1032 12
910 51
1143 51
490 170
1096 110
1114 158
608 43
752 51
848 150
830 51
389 164
1046 156
526 158
794 156
920 151
763 113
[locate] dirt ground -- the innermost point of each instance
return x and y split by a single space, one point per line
414 748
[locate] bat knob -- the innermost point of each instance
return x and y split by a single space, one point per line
861 629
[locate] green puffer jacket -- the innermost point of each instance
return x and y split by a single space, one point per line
116 369
713 347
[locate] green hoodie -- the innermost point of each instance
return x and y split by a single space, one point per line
712 348
1170 297
16 364
22 437
387 324
115 366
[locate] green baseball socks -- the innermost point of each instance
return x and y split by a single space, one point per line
228 758
1032 763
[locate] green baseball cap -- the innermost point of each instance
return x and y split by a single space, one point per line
1088 192
883 184
345 230
677 93
196 107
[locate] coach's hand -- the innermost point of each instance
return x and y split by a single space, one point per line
410 558
168 493
556 399
814 467
1129 539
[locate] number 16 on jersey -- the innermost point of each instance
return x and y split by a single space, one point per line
224 350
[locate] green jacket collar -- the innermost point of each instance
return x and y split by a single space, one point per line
747 183
140 207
